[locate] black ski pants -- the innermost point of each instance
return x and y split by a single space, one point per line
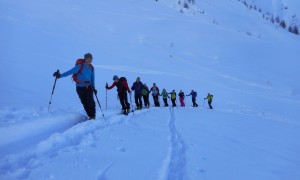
124 100
209 104
194 102
166 101
146 100
156 101
173 102
138 100
87 100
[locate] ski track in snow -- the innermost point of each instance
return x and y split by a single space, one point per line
84 133
102 175
176 167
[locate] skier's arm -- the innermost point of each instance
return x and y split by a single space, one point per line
206 97
71 71
133 87
93 79
112 86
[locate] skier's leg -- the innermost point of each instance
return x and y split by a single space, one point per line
181 101
193 100
127 105
145 100
122 101
165 101
136 100
91 103
82 96
157 101
209 104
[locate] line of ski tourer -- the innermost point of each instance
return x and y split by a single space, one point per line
84 75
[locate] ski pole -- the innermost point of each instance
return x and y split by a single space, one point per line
106 97
53 90
98 103
131 104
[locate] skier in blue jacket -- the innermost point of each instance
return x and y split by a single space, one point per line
137 88
84 76
194 95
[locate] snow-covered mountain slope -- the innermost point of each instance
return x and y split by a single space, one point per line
248 64
285 9
281 13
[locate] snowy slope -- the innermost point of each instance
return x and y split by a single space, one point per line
250 65
285 9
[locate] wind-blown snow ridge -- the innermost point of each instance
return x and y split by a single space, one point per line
83 134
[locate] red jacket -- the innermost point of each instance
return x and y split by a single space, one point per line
121 86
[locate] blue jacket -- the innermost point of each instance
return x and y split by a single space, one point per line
137 87
86 75
193 93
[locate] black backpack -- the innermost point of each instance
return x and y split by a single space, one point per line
122 79
120 86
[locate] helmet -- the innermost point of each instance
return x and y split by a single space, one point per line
115 77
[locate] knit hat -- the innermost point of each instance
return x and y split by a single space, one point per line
88 55
115 77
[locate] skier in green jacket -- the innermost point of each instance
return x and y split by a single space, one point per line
165 95
209 100
173 98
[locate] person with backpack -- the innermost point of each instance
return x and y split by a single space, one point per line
209 98
122 88
165 96
173 98
181 98
145 94
194 95
84 76
137 88
155 93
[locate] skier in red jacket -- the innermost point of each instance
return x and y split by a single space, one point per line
122 88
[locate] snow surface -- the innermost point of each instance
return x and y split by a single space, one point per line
248 64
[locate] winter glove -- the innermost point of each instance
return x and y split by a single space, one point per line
57 74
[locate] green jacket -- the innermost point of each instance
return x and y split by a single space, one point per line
209 98
164 94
